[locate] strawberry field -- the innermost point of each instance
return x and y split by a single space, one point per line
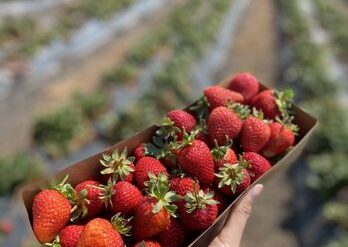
79 76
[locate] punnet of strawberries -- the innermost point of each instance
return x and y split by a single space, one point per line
175 186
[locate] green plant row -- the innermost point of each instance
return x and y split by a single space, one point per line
328 151
23 37
336 23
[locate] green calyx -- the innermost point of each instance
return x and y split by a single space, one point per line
243 111
55 243
117 165
230 175
122 224
107 192
219 152
201 108
158 187
199 200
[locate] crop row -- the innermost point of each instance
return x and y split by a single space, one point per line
24 36
328 151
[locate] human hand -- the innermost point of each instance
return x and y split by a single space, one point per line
232 232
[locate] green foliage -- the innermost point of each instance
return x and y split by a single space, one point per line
91 104
342 242
124 73
336 23
337 212
13 28
17 169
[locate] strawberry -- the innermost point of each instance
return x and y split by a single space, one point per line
194 157
246 84
147 243
118 166
174 235
219 96
122 196
183 185
182 119
152 214
223 124
139 151
51 213
222 155
100 232
281 138
89 198
273 103
254 135
69 236
232 179
199 212
6 227
147 165
258 165
218 196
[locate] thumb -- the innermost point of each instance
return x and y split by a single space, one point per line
232 232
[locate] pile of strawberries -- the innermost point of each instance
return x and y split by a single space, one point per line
175 186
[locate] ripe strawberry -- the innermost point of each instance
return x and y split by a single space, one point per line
89 198
147 243
218 196
183 185
232 179
281 138
258 165
254 135
219 96
195 158
152 214
147 165
223 124
182 119
100 232
246 84
139 151
223 155
118 166
174 235
199 212
123 197
6 227
51 213
273 103
69 236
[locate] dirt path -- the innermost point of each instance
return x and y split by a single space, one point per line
16 120
256 33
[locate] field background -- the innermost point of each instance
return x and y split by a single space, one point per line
79 75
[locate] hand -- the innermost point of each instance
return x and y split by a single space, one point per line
232 232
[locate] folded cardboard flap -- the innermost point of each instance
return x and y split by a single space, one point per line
89 169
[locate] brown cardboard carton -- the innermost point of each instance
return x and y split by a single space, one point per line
89 169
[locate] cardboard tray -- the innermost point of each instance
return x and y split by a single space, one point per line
90 167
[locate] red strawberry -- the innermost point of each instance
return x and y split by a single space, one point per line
246 84
273 103
218 196
6 227
223 124
182 119
199 212
69 236
281 138
223 155
100 232
89 198
118 166
147 165
232 179
258 165
147 243
152 214
254 135
195 158
139 151
219 96
174 235
183 185
123 197
51 213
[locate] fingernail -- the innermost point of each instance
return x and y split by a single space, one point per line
256 191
